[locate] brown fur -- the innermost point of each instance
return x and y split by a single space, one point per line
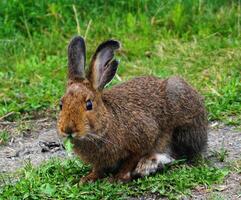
132 120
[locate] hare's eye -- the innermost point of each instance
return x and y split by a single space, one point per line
60 105
89 105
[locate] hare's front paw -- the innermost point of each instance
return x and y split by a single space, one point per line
91 177
121 178
86 179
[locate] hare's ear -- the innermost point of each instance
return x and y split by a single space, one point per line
103 67
76 58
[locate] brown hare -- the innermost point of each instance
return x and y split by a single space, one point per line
133 128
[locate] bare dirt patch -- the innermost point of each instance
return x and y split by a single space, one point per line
34 141
223 139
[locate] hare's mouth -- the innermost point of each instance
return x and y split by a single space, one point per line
74 135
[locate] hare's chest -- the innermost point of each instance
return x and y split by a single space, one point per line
99 155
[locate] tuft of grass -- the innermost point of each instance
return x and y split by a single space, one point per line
4 137
59 179
221 154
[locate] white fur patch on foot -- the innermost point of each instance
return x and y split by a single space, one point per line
164 158
149 165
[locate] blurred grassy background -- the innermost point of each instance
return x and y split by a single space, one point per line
199 40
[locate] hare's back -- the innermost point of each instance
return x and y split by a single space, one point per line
170 97
141 94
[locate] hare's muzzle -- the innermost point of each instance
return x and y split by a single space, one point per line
68 130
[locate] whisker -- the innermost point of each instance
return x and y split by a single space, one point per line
98 137
93 141
103 139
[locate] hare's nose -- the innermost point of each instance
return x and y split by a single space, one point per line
68 130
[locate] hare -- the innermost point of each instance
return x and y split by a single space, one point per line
133 128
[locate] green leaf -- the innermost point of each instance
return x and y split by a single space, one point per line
48 189
68 144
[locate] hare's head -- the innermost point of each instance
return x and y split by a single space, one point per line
82 107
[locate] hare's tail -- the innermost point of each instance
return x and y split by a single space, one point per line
190 140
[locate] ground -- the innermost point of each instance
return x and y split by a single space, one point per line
224 149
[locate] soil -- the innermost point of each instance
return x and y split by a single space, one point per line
37 141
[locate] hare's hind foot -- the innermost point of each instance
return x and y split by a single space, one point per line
150 164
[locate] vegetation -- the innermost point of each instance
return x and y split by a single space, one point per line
199 40
59 180
196 39
4 137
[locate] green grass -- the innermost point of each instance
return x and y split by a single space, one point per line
4 137
59 180
221 155
198 40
